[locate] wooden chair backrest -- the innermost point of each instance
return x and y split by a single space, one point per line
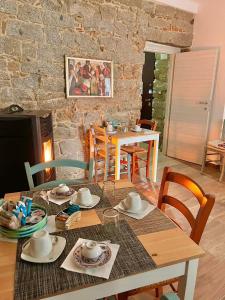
100 138
206 202
30 171
152 124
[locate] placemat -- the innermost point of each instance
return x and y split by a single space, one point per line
35 281
155 221
53 208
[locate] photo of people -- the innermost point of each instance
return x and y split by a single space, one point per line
88 78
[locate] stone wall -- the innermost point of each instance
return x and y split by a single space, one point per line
35 35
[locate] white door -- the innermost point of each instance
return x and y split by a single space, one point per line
191 97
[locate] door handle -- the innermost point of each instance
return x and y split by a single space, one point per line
202 102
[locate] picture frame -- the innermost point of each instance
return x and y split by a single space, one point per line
88 78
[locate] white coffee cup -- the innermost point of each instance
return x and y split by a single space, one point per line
132 202
137 127
40 244
84 196
109 127
91 250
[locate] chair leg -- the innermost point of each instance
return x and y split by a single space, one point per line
123 296
136 164
128 166
133 167
159 292
106 169
96 171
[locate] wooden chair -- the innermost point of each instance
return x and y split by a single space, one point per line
136 151
197 223
104 152
30 171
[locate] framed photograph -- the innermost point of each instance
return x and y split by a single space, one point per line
88 77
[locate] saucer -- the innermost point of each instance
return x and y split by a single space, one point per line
145 205
101 260
134 130
95 201
52 196
58 245
111 132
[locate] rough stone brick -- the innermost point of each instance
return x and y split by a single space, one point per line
29 50
10 46
57 20
23 30
52 36
165 11
3 64
30 82
8 6
30 13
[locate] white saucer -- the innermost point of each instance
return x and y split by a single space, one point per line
111 132
144 207
51 197
58 245
102 259
95 201
134 130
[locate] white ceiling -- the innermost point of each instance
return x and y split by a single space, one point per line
187 5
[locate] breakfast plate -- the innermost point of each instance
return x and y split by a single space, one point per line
58 245
144 206
95 200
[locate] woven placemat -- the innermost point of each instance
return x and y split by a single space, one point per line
53 208
35 281
155 221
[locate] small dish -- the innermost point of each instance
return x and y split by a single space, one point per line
58 245
61 195
102 259
111 132
53 196
95 201
134 130
144 207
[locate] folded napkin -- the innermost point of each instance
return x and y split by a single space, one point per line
102 271
45 195
137 216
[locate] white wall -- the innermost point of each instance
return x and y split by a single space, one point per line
209 31
188 5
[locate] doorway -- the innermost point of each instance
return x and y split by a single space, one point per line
154 95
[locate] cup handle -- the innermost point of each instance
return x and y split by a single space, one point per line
24 245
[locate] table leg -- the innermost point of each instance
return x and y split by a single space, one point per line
186 285
223 167
155 160
117 162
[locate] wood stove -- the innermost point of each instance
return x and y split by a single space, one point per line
24 136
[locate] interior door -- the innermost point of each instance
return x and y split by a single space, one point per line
191 99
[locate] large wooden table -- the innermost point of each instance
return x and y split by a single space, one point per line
130 137
174 253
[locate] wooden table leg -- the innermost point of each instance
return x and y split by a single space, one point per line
117 162
222 171
155 160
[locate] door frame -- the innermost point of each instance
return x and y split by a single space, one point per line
161 48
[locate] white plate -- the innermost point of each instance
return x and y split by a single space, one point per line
144 207
58 245
111 132
134 130
95 201
51 197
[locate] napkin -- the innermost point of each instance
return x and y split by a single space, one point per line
102 271
60 201
137 216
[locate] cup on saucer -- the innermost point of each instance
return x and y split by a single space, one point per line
137 127
91 251
132 202
40 244
84 197
109 127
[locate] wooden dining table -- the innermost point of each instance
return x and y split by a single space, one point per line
131 137
172 251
